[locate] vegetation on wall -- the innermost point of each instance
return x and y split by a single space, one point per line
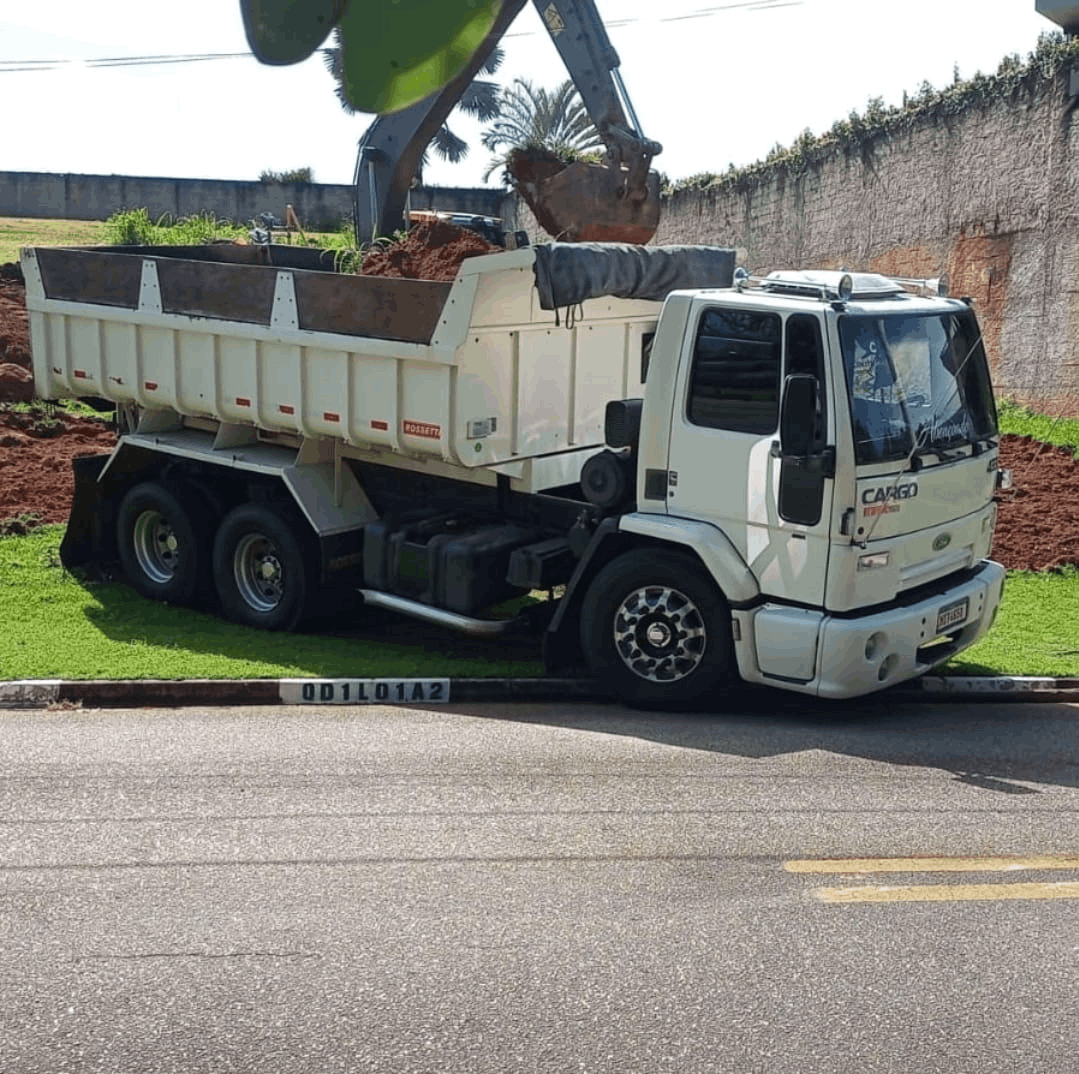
297 175
859 131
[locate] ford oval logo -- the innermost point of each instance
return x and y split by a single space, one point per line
941 542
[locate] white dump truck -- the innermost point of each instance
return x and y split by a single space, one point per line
787 480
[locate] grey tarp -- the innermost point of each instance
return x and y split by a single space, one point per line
567 273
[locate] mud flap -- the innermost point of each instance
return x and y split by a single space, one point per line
90 539
561 641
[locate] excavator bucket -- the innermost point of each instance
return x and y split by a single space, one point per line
587 202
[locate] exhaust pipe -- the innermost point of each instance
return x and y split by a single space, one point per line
463 624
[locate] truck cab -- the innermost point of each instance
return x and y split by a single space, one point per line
833 436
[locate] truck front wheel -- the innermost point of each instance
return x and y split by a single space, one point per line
163 542
260 569
656 630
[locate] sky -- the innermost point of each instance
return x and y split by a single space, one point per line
716 84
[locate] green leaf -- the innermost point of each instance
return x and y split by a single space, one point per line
287 31
396 52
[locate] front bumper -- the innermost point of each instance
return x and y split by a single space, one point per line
859 654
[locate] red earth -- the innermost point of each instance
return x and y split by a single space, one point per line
1037 527
432 250
36 449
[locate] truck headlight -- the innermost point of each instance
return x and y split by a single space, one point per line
874 561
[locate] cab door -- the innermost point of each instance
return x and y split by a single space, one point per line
725 465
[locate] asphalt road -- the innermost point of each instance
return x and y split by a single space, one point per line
511 889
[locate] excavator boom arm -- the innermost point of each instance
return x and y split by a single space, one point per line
391 148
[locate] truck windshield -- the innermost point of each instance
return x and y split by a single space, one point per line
917 383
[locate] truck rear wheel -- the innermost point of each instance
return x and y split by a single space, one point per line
260 569
163 544
656 630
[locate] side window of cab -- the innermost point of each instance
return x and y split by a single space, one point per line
735 377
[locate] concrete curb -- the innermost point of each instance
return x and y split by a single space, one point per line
150 693
990 688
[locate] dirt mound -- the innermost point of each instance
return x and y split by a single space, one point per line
35 462
36 448
432 250
1038 520
16 382
15 379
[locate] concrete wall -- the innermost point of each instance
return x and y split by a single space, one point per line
989 195
95 197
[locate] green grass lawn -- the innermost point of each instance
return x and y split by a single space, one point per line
56 628
1035 632
16 232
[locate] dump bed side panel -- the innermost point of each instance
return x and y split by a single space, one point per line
473 373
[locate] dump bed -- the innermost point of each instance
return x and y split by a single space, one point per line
474 372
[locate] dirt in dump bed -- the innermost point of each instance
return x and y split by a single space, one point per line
1038 519
1037 527
432 250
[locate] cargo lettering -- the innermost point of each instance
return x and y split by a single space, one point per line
889 493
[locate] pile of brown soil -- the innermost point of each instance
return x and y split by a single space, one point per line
432 250
1037 527
1038 519
36 448
16 382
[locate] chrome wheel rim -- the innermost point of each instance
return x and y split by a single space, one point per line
259 574
659 634
156 547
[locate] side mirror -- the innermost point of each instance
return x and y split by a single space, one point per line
798 415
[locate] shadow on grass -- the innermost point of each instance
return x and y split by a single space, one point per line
373 642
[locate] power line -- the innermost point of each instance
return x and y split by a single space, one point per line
121 61
16 66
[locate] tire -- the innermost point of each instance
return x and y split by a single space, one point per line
164 542
260 569
656 631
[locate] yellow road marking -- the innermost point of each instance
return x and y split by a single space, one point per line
950 892
932 865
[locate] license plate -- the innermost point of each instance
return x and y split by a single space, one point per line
953 614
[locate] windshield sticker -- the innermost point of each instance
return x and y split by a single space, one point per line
887 499
958 429
866 358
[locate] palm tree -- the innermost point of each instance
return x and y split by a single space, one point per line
532 119
481 100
